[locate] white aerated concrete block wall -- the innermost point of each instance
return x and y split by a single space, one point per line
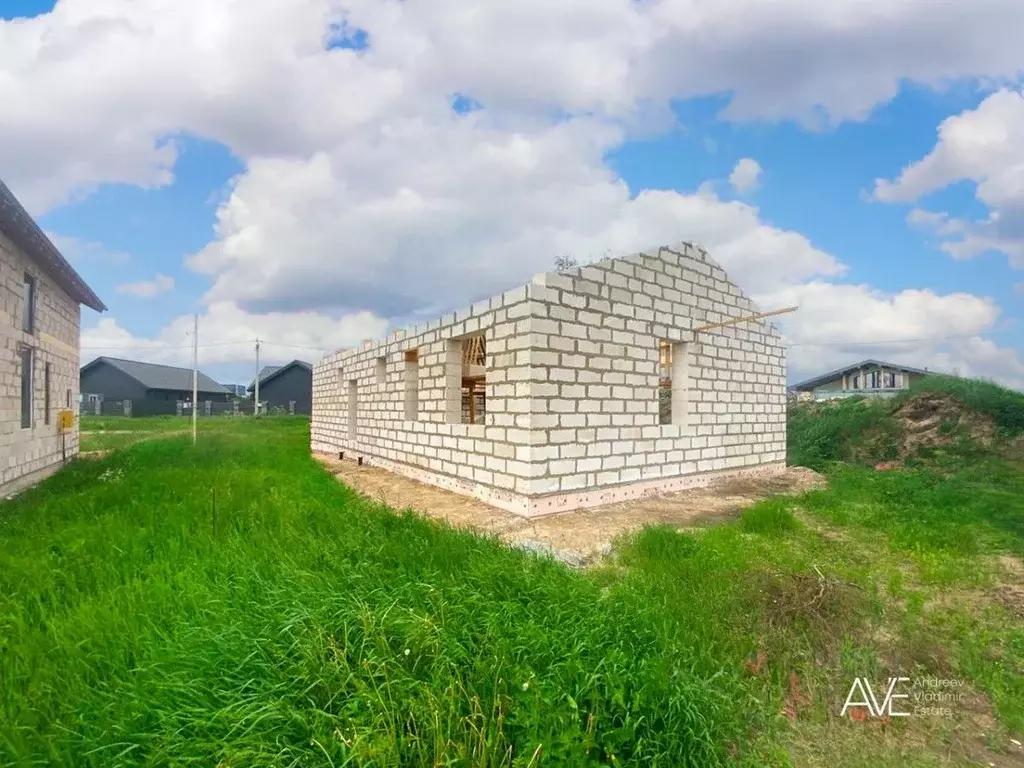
357 412
572 389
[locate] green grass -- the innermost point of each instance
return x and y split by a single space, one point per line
134 424
232 604
107 433
860 430
312 625
821 434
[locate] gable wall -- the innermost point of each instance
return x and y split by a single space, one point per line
28 454
595 382
295 384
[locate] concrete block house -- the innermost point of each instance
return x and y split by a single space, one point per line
40 307
626 378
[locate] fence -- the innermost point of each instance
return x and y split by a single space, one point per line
180 408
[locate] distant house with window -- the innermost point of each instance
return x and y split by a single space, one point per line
40 312
286 386
111 378
867 378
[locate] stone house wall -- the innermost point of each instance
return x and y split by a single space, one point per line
29 454
572 390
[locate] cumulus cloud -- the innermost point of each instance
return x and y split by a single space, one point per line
228 335
96 89
470 211
745 175
984 146
366 199
839 324
147 289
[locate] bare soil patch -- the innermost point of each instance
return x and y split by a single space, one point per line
1009 589
586 532
92 454
931 420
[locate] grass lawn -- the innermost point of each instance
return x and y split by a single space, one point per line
107 433
231 604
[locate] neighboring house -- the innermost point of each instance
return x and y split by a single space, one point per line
237 390
284 384
40 307
265 371
109 378
619 380
868 377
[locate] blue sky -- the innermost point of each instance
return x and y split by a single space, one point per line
815 182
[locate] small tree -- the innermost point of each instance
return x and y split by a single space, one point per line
564 262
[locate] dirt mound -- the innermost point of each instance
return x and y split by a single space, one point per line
931 420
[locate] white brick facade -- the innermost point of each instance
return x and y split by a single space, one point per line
29 454
572 389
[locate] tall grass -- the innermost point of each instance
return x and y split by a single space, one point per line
293 622
232 604
821 434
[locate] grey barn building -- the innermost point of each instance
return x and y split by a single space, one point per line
281 385
110 378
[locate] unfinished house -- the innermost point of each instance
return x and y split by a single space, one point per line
623 379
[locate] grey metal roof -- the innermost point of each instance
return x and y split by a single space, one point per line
268 372
16 223
265 371
153 376
827 377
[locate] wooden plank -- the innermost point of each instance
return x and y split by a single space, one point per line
748 318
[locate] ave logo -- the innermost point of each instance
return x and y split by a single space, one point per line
862 695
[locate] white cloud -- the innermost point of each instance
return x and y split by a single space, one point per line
984 146
366 199
94 89
228 335
458 213
746 175
915 327
147 289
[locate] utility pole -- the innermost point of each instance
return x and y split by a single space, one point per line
256 405
195 376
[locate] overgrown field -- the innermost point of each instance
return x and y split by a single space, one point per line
231 604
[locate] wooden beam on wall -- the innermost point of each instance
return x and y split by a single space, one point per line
748 318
